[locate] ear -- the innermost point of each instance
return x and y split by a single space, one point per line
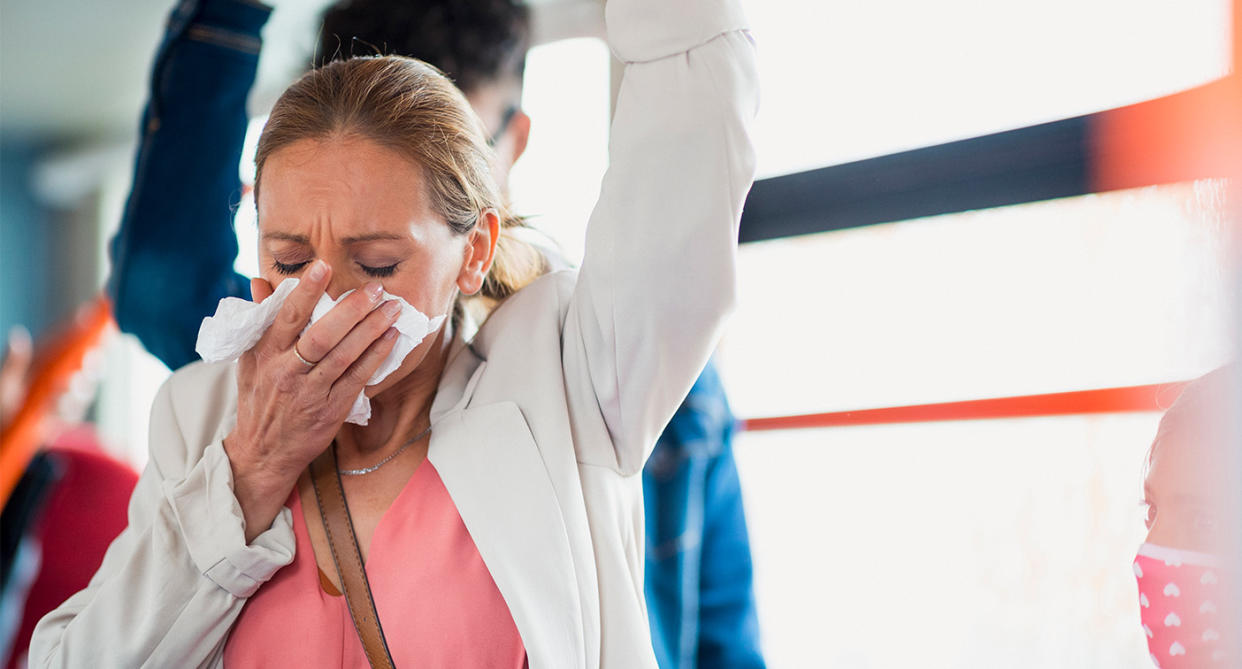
520 127
479 253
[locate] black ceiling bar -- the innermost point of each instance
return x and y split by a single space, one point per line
1029 164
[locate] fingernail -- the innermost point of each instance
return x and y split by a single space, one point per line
390 333
373 290
318 270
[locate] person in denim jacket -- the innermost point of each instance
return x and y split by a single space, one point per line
178 222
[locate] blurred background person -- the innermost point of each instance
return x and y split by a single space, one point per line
178 223
64 497
1187 568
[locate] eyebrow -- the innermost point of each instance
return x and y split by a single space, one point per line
288 237
357 239
373 237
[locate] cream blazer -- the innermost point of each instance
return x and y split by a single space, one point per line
542 422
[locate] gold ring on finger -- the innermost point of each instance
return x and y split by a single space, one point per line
302 360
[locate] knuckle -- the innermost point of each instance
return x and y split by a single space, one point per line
311 344
292 313
337 359
263 354
378 321
357 306
359 375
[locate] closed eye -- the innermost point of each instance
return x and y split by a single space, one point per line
387 270
293 268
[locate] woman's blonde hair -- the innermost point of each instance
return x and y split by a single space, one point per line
411 107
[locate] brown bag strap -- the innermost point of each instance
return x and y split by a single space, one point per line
348 559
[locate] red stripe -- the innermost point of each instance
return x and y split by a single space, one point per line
1154 397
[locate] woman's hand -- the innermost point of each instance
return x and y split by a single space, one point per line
289 411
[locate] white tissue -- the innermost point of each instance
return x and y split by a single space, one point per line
239 324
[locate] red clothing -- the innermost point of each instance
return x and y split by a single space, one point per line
436 599
84 512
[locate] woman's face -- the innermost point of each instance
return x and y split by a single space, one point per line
363 208
1185 493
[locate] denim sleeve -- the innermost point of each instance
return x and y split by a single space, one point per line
700 600
172 257
728 624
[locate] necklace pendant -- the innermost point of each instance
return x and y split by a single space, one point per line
381 463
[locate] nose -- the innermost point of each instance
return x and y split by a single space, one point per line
340 283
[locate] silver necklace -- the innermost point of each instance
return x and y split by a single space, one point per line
381 463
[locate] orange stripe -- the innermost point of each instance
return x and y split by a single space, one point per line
1155 397
1194 134
1190 135
50 376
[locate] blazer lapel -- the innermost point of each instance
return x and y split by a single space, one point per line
496 476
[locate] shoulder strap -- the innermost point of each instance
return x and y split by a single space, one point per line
348 559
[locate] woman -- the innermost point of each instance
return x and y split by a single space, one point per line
1187 567
497 497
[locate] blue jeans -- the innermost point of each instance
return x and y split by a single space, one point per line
173 261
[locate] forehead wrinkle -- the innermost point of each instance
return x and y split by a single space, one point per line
335 184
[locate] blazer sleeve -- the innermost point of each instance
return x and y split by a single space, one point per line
171 585
658 275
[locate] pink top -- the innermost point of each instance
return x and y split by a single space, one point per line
437 602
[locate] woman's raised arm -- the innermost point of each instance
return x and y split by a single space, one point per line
658 276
